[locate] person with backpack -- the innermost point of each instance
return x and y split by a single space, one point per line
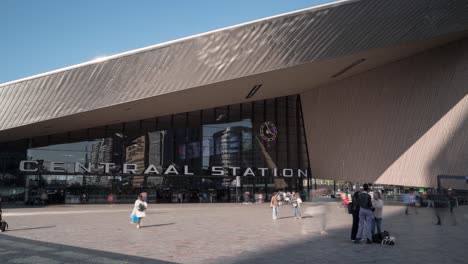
353 209
365 215
139 210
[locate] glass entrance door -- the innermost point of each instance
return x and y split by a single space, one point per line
54 189
45 189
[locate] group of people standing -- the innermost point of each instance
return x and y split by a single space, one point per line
367 215
294 200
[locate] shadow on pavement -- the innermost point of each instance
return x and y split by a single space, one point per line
284 217
418 240
156 213
12 250
30 228
148 226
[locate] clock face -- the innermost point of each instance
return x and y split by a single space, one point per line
268 131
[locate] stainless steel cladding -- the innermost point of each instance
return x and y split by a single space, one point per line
309 35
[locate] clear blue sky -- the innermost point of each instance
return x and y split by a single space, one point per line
37 36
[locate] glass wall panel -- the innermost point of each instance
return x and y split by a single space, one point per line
12 183
222 154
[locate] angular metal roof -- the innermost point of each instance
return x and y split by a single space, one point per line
307 36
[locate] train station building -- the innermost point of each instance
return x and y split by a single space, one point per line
355 91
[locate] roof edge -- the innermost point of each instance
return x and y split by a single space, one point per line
167 43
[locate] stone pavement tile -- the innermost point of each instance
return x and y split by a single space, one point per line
230 233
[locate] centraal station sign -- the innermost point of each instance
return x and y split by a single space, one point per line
32 166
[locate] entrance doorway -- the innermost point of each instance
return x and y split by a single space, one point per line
45 189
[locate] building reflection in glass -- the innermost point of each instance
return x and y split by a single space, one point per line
225 137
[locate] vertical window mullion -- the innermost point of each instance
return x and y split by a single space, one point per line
200 137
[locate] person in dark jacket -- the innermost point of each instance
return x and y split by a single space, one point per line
365 215
355 214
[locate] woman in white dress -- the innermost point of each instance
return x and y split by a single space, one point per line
139 210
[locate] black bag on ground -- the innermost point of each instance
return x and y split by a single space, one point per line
378 237
3 226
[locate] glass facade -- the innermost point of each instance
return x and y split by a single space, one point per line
210 155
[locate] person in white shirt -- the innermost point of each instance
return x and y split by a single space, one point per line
140 210
377 203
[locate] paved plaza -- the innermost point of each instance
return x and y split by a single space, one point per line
225 233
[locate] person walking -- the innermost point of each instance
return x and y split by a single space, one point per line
409 201
110 199
279 198
288 197
442 208
355 214
274 205
247 198
44 197
377 203
139 209
296 204
365 215
344 200
84 198
430 200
